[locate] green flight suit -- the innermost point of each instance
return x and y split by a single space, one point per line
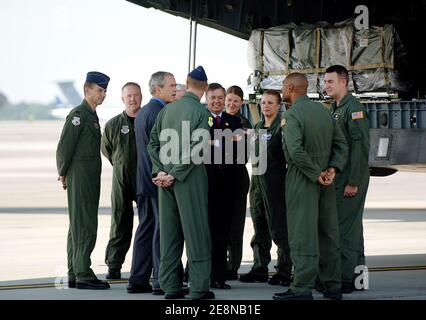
352 118
119 147
78 158
235 247
183 206
312 143
269 220
261 242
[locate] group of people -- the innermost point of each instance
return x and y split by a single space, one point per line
309 200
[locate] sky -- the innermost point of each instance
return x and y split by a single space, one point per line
46 41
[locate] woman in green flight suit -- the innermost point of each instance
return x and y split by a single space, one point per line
270 222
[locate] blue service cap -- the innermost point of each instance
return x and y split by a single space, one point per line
98 78
198 74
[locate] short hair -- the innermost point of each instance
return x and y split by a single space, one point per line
214 86
274 93
196 84
157 80
128 84
341 71
86 86
236 90
180 86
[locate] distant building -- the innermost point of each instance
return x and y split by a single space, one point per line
3 100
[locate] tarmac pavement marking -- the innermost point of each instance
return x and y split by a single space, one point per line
51 285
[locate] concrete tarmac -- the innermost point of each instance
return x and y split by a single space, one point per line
34 224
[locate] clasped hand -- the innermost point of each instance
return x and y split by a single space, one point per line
326 177
163 180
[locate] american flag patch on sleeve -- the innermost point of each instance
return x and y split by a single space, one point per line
357 115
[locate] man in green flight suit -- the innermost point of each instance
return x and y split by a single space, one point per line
352 183
119 147
314 148
78 160
183 193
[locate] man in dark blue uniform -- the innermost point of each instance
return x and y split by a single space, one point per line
146 247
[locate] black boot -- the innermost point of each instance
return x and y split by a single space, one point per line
292 295
94 284
113 274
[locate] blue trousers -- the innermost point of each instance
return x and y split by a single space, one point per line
146 246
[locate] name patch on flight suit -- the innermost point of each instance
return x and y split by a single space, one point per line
357 115
76 121
125 129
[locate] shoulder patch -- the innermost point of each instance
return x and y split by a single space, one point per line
76 121
357 115
210 121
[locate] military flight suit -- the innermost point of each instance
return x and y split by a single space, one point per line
78 158
312 143
261 242
242 184
183 206
269 220
119 147
352 118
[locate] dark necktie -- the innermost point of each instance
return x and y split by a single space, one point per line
218 121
